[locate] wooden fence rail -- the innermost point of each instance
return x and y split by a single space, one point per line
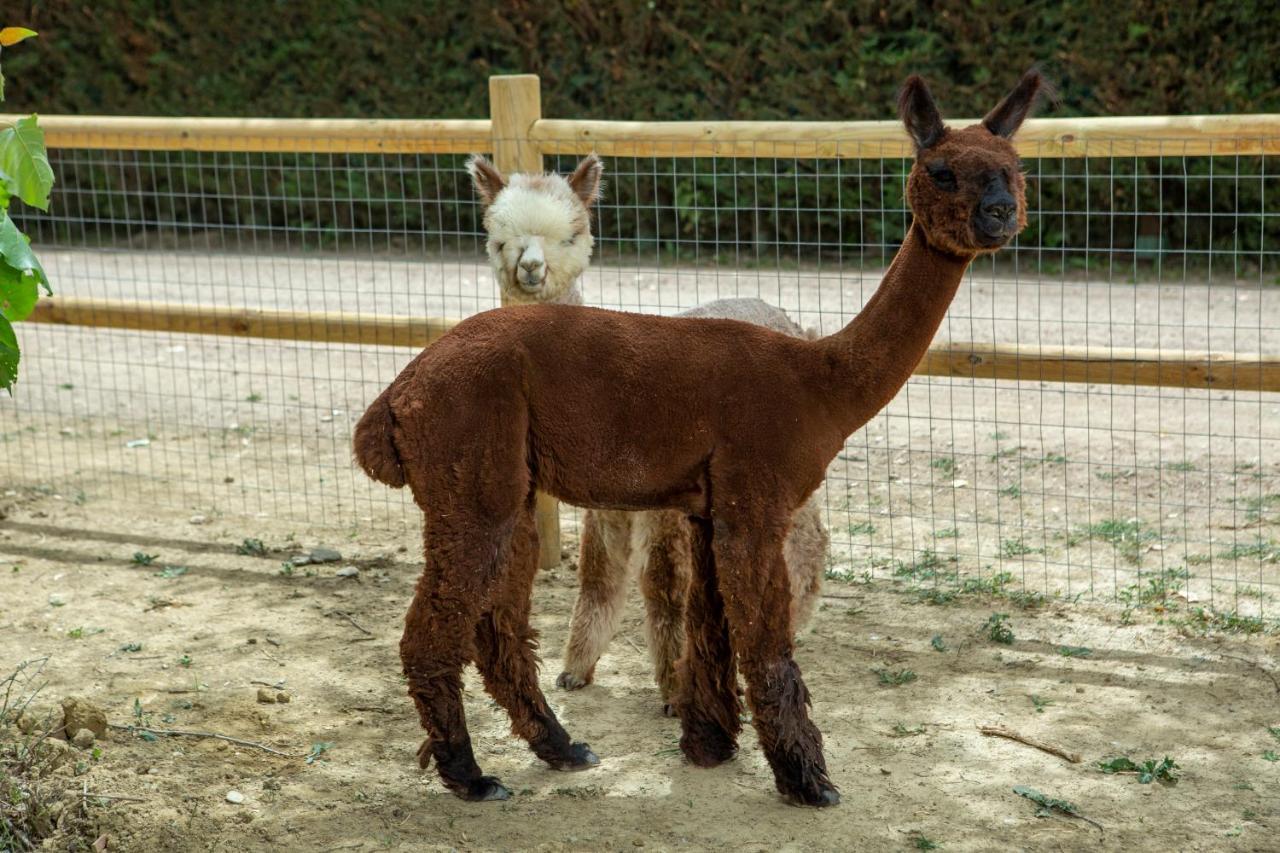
1098 365
519 137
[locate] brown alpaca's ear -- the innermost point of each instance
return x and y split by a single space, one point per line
486 178
585 180
920 113
1009 114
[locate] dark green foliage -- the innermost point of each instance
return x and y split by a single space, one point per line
998 630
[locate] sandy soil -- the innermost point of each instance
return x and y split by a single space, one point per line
908 758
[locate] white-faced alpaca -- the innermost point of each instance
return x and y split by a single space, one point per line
617 545
539 229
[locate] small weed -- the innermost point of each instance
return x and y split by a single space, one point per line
921 842
862 528
171 572
66 386
1233 623
894 679
899 730
254 397
142 559
998 630
131 647
1075 651
1048 804
1179 466
1255 508
317 750
1267 552
1055 458
252 548
1165 772
1274 731
939 645
1005 454
1271 755
82 632
286 569
1127 537
947 533
1010 548
945 464
1040 702
999 435
185 661
586 792
1013 491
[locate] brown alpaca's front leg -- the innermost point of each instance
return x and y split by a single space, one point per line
757 600
707 702
664 581
602 590
505 655
436 645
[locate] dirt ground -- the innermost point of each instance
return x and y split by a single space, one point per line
910 762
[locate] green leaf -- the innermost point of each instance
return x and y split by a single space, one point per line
25 162
1122 764
18 293
17 252
10 36
9 355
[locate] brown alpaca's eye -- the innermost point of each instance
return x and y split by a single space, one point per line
943 178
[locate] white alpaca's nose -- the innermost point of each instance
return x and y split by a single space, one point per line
533 265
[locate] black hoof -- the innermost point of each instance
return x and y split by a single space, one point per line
819 799
569 681
484 789
581 758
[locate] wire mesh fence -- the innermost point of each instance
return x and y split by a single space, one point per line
1096 490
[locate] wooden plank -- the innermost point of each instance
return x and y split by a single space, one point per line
1119 136
331 328
1096 365
1104 366
515 105
373 136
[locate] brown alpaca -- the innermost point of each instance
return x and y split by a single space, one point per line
725 421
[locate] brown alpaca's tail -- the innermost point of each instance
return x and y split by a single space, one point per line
374 443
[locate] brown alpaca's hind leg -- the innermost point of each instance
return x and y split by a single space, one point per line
437 644
757 600
664 581
602 591
708 698
506 658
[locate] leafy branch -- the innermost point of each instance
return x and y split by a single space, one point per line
25 173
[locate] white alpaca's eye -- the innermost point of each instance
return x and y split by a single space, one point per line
498 247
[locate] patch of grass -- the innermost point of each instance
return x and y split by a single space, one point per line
899 730
1005 453
1040 702
927 566
1165 771
1208 619
998 630
286 569
1267 551
1127 537
1271 755
171 572
1255 508
999 435
1179 466
1013 491
940 645
1055 459
142 559
896 678
921 842
254 397
862 528
944 464
1010 548
1275 731
947 533
252 548
1075 651
586 792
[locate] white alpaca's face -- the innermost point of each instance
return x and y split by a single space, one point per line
539 238
539 229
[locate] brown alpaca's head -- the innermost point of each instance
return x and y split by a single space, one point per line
966 188
539 227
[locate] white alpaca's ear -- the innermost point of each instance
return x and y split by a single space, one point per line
486 178
586 180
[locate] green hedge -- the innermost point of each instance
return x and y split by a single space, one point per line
637 60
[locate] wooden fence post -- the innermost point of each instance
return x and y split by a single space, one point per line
515 103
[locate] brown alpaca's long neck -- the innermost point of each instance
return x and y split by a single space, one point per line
877 352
